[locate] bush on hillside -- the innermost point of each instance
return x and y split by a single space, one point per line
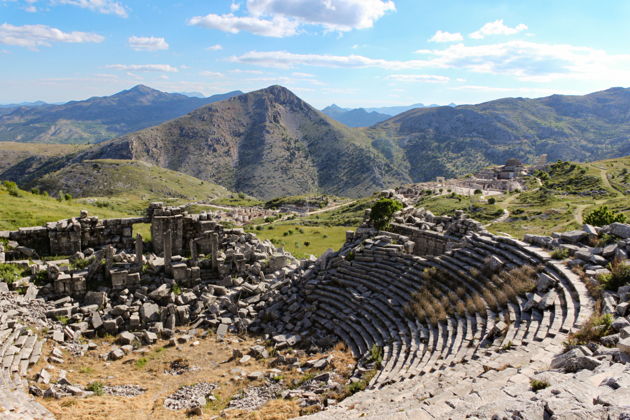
11 188
382 212
604 216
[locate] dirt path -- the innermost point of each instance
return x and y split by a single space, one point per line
330 208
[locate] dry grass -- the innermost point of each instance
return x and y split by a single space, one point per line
208 356
434 304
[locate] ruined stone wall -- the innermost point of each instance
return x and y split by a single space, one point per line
426 242
68 236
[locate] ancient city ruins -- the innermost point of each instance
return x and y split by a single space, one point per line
442 318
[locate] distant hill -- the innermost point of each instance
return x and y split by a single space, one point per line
110 178
357 117
100 118
450 141
395 110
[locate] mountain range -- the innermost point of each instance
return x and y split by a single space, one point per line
99 118
366 117
270 143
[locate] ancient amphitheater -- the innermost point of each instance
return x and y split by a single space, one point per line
444 319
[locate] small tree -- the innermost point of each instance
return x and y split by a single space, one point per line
604 216
492 200
382 212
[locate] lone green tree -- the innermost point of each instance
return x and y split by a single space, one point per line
382 212
604 216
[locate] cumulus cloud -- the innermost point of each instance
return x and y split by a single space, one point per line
497 28
282 18
215 47
278 27
338 15
147 43
424 78
442 36
144 67
234 6
34 36
107 7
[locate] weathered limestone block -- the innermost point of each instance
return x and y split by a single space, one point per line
119 279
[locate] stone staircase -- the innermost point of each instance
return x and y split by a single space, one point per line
20 348
363 302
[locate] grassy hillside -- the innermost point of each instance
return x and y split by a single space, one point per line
27 209
127 185
559 199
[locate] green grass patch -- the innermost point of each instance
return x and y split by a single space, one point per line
319 238
96 387
10 273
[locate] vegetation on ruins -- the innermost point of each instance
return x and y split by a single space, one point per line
619 276
10 273
560 253
382 212
538 385
441 295
596 327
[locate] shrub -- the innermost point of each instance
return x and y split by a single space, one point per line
35 190
537 385
593 330
376 355
560 253
492 200
10 273
619 276
96 387
175 288
382 212
12 188
604 216
67 196
306 243
477 192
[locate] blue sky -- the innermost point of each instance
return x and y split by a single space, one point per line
348 52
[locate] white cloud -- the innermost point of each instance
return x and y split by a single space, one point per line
523 60
107 7
530 61
240 71
215 47
284 59
338 15
424 78
147 43
211 74
33 36
282 18
497 28
234 6
30 9
278 27
144 67
442 36
296 74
